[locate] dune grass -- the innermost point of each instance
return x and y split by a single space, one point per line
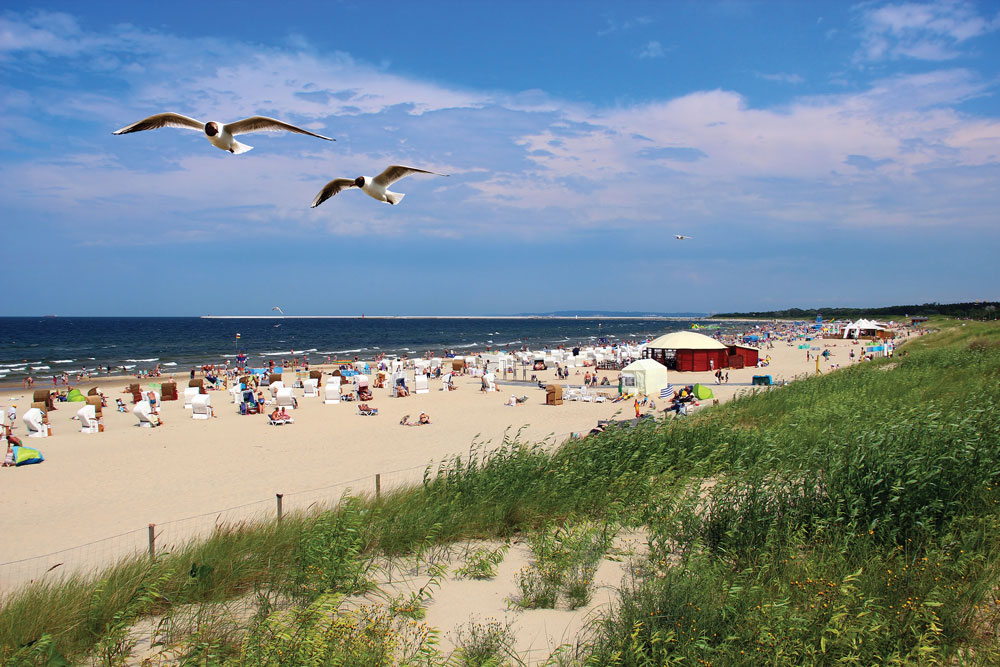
850 517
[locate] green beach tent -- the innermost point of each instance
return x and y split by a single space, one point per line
24 456
701 392
76 396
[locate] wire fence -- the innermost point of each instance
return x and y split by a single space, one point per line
92 557
89 558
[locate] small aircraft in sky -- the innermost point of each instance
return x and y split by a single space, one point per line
681 237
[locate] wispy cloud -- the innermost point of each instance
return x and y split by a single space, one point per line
781 77
613 25
932 31
651 49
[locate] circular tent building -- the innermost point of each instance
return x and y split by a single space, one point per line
688 351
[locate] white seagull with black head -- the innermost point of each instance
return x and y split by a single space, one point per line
681 237
373 187
221 135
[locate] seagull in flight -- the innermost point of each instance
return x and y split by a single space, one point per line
681 237
219 134
278 308
373 187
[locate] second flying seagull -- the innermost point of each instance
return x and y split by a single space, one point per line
373 187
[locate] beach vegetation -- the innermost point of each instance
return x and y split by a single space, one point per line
564 560
481 562
486 644
846 518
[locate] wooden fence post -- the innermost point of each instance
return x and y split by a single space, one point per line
279 496
152 540
378 485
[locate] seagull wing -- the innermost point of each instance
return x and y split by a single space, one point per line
162 120
395 172
265 124
330 189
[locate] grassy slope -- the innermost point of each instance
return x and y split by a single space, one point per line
835 484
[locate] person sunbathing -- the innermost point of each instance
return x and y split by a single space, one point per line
423 419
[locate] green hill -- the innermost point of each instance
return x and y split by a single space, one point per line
977 310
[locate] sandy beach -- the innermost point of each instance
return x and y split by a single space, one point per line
93 498
95 486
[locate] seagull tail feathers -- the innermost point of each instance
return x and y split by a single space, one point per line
240 148
394 197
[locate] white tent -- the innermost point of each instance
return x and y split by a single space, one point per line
862 328
644 376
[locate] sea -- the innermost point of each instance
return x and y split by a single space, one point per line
45 346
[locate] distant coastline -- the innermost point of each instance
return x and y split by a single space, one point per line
452 317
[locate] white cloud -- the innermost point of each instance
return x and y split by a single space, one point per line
781 77
932 31
651 49
612 25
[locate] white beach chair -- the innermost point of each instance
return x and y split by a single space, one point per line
420 384
396 377
331 392
276 387
310 387
491 381
285 399
144 413
201 406
34 421
189 393
88 419
236 391
446 380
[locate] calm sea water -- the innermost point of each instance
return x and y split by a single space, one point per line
43 347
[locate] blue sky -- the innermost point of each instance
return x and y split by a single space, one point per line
819 153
